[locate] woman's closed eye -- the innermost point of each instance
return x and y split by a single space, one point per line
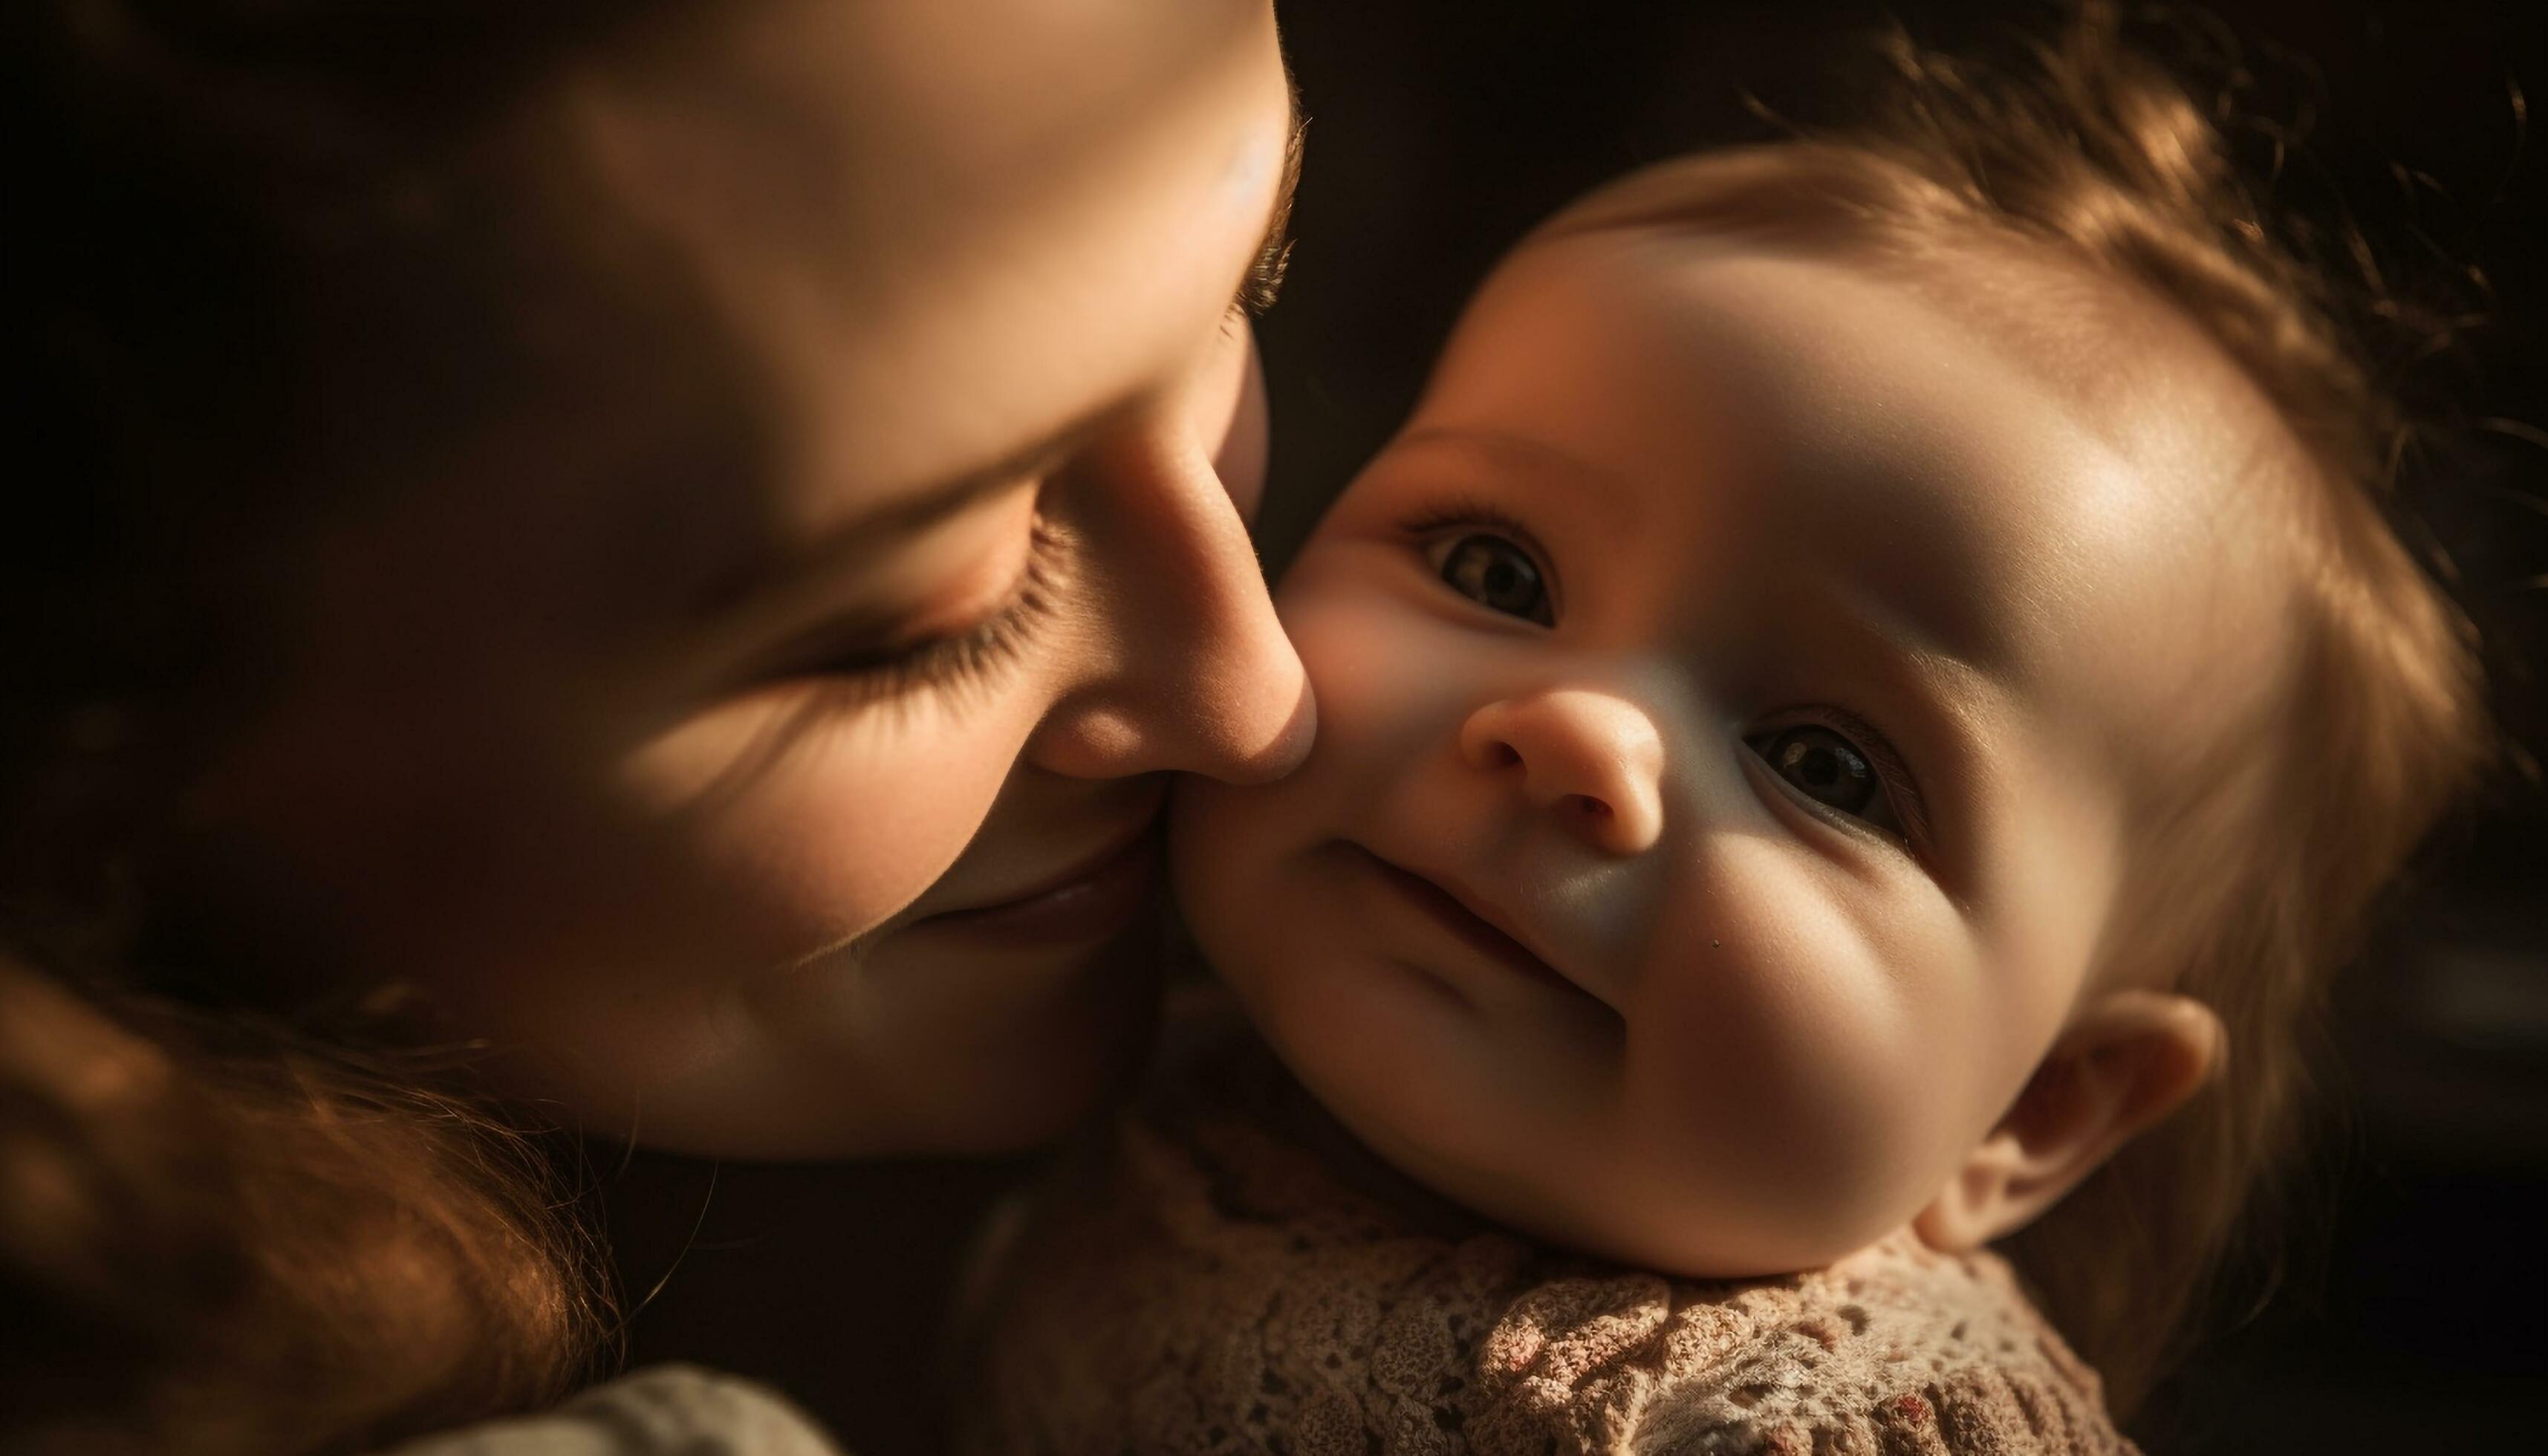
870 663
1844 765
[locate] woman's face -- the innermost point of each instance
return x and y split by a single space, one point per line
779 781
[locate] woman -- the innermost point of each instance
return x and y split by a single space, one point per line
667 547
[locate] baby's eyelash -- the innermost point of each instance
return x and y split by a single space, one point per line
1464 510
1896 774
1912 809
1445 520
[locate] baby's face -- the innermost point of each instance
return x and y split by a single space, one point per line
1740 690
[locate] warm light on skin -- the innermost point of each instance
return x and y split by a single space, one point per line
1766 489
976 265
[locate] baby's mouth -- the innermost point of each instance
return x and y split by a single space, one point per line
1470 919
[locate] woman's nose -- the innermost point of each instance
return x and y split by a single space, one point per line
1592 759
1193 673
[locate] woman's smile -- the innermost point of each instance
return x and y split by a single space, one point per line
1088 900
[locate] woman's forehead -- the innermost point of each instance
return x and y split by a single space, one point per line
876 97
939 238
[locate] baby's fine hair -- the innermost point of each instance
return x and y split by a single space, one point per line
2254 885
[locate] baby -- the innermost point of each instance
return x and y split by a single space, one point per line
1874 675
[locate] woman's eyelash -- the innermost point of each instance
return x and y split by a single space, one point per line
962 659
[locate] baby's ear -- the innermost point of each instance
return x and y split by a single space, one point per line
2127 1061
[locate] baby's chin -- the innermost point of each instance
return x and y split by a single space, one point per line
1589 1194
1637 1226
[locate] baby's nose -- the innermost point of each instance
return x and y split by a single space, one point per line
1592 759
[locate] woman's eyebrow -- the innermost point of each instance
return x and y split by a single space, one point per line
1273 254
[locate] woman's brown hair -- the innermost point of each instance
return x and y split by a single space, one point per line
261 241
2252 888
217 1235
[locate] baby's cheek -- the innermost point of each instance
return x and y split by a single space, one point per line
1353 640
1803 1084
1394 681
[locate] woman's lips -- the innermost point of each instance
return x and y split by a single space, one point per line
1453 913
1087 902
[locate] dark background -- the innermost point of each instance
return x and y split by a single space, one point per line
2411 1318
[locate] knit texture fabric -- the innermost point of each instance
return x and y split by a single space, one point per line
663 1411
1209 1286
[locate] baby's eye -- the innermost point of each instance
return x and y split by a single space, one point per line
1824 766
1499 575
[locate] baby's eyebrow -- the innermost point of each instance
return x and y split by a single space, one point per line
1592 488
1519 450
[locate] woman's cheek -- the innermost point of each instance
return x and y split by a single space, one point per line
821 824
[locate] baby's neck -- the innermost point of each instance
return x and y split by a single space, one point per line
1365 1172
1206 1035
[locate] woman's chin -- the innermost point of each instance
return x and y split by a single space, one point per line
1025 1070
915 1049
1043 1088
1028 1059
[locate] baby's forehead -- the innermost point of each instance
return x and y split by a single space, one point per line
2105 352
1945 373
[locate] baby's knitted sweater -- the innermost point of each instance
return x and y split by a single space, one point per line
1210 1285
